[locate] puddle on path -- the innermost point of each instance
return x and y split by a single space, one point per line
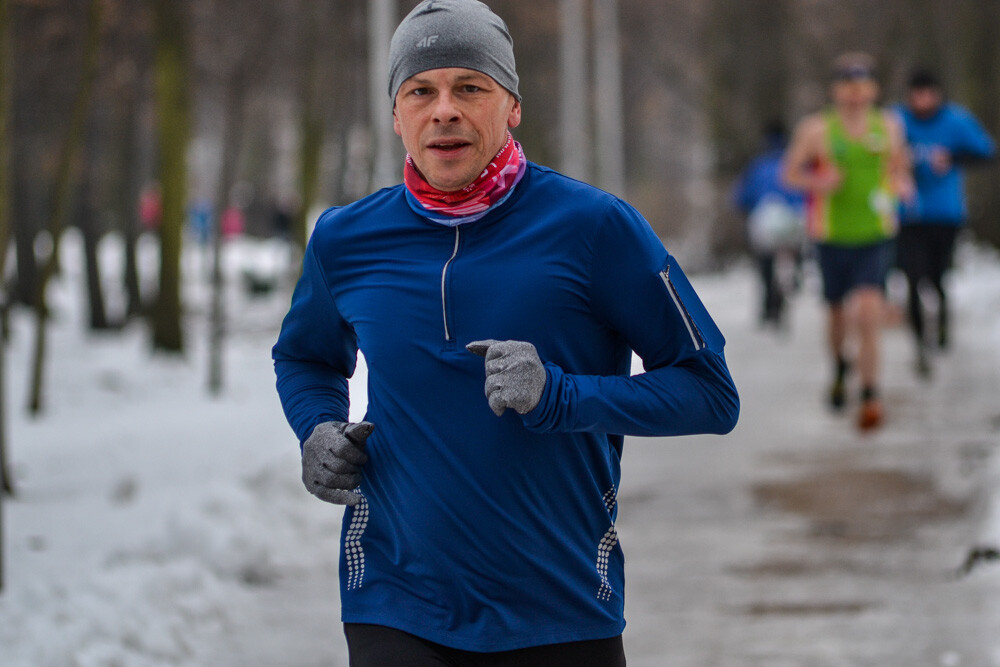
857 504
790 567
852 506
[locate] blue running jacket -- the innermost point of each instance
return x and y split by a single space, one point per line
480 532
941 197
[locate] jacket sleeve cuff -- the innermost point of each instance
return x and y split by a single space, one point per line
557 405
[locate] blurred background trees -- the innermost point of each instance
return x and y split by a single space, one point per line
277 107
157 121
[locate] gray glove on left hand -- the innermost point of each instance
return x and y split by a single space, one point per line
332 458
515 376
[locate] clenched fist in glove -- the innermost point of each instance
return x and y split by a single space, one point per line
332 457
515 376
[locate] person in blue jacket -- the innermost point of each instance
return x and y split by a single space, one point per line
497 304
944 138
775 219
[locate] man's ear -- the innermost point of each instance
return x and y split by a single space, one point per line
395 122
514 117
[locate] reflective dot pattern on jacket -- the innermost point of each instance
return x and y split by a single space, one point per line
353 551
604 548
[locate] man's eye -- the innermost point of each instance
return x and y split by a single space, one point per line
419 91
470 88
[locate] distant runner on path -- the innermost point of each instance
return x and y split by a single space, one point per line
775 227
944 138
851 161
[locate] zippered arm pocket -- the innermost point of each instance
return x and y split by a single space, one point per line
696 338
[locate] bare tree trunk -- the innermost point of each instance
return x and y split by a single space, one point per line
24 240
173 129
90 230
574 143
978 90
6 484
63 190
230 150
310 129
381 21
234 108
128 185
608 93
128 73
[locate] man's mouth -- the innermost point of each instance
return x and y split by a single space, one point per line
448 146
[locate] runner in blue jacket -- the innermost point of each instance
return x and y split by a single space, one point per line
483 526
944 137
775 223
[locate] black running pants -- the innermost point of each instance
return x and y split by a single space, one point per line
381 646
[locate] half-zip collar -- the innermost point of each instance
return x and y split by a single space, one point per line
444 284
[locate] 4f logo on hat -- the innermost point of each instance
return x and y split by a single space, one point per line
427 41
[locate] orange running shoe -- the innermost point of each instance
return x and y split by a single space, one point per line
871 415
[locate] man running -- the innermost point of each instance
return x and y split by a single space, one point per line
851 161
481 528
944 137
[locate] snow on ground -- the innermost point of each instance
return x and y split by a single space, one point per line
150 514
146 509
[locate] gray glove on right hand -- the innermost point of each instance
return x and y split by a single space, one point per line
515 376
332 457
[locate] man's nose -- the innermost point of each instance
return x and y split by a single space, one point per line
446 108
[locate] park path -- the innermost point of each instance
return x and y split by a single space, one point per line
795 541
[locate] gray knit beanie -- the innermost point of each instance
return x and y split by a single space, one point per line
452 33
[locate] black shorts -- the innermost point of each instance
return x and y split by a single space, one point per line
846 268
381 646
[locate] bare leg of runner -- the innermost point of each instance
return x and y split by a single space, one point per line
870 304
837 340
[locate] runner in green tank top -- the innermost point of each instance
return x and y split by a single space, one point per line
852 164
863 209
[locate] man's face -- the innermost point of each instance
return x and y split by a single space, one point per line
924 101
453 121
857 91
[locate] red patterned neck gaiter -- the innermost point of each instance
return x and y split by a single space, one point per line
497 179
